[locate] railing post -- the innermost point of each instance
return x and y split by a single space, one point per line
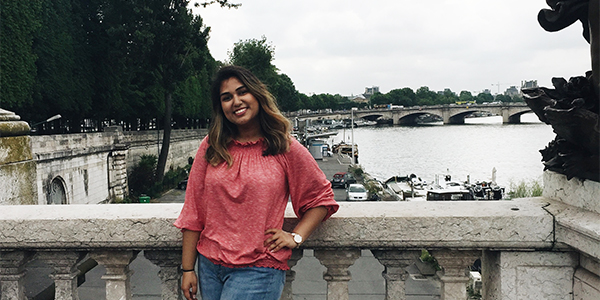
290 274
118 275
12 273
169 262
454 275
65 272
395 263
337 275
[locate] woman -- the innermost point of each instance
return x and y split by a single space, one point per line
247 168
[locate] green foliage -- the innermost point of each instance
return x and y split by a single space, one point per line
427 258
19 22
525 189
104 59
142 179
173 177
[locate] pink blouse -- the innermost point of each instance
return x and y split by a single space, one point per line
233 207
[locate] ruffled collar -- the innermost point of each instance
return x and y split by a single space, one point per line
250 143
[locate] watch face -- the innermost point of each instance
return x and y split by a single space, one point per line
297 238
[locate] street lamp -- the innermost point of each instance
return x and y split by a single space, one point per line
55 117
353 156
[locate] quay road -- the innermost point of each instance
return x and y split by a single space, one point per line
367 282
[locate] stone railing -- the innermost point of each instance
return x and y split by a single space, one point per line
523 246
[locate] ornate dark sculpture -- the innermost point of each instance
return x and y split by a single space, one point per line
572 108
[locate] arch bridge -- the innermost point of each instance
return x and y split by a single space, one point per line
450 113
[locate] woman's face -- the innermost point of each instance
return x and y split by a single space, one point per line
238 104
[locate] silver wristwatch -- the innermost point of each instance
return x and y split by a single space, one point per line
297 238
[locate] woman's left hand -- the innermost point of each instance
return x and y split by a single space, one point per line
279 239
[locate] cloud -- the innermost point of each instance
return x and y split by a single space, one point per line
341 47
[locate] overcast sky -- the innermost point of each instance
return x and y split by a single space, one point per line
343 46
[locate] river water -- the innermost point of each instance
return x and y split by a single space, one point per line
471 149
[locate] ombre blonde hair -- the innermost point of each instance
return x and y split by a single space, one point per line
274 126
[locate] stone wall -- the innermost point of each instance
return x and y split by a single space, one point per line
89 168
184 144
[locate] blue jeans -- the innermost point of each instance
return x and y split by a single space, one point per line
251 283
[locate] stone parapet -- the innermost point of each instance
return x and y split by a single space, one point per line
516 240
584 194
521 224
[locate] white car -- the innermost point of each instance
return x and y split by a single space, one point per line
356 192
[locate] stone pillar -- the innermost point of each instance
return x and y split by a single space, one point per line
117 163
18 173
12 274
65 272
544 275
395 263
290 274
169 262
118 275
455 274
337 275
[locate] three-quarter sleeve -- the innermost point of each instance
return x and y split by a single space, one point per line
192 215
308 185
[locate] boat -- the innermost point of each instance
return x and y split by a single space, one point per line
407 187
449 195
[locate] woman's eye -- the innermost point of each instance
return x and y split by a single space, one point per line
226 98
242 92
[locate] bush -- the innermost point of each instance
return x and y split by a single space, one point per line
525 189
173 177
142 179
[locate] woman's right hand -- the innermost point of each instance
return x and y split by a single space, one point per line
189 285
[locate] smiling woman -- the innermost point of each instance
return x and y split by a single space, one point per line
238 192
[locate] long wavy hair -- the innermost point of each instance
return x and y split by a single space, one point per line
274 126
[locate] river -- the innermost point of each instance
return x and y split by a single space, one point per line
471 149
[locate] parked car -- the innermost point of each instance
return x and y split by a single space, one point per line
356 192
182 185
342 179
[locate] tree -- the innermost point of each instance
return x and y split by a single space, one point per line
64 82
257 55
484 97
20 22
465 96
424 96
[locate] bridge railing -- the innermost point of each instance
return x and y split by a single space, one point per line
515 240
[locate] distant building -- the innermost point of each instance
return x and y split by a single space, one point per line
529 84
370 91
487 91
358 99
512 91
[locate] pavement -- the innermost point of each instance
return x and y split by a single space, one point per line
367 282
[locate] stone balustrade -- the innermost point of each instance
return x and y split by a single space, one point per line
523 244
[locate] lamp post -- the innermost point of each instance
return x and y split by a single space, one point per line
55 117
353 156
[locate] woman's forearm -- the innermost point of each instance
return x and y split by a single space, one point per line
188 249
311 219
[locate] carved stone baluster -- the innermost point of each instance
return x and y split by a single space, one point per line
337 275
118 275
65 272
454 275
12 273
169 262
290 274
395 263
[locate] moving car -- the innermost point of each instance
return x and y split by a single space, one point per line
342 179
356 192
